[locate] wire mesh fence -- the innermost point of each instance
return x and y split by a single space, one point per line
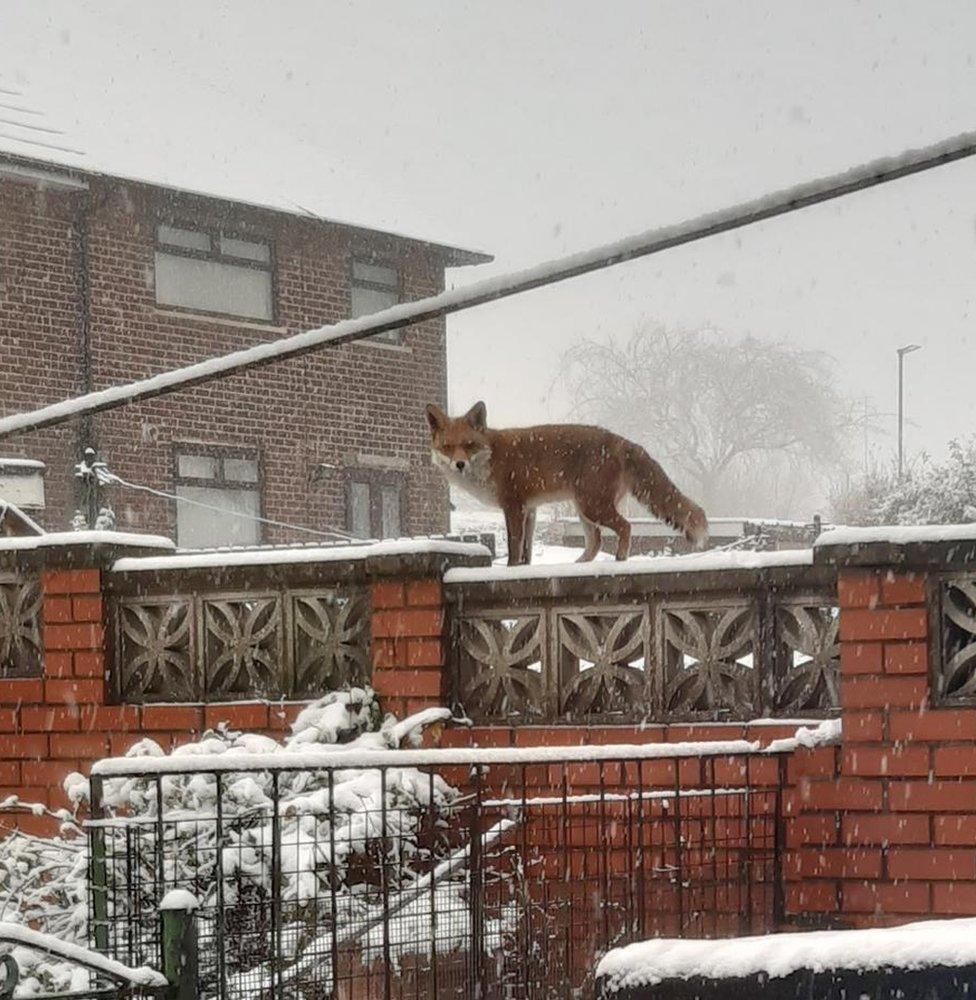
492 879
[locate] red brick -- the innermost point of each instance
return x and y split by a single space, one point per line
602 735
836 862
932 796
49 718
21 691
9 772
425 653
35 826
58 664
85 746
861 658
954 762
75 692
119 744
425 593
247 716
884 692
405 683
884 897
415 622
384 652
282 715
906 658
902 588
157 717
72 581
840 793
89 663
864 727
954 830
887 623
878 762
387 594
884 829
8 720
57 609
117 718
85 635
816 762
931 863
858 589
549 736
87 609
23 747
937 725
817 828
50 773
954 898
811 897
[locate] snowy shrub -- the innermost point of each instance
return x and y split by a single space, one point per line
331 839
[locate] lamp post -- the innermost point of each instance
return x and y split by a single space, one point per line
902 351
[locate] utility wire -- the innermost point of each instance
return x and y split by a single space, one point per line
107 478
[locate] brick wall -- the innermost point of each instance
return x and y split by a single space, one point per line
885 824
320 412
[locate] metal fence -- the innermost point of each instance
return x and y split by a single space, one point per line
505 875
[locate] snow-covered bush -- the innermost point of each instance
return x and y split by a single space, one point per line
331 839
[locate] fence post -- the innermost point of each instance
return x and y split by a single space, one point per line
98 872
179 934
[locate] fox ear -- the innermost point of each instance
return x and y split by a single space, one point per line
477 416
435 417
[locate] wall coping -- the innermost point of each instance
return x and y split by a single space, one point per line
930 546
698 562
413 556
57 550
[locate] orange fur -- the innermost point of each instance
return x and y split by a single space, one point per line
521 468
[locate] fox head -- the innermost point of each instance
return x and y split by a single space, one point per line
459 444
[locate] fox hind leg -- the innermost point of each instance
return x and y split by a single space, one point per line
591 538
609 517
515 528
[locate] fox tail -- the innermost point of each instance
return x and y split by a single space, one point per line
652 488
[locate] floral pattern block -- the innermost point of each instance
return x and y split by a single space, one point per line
156 651
710 668
809 682
20 630
331 642
501 667
958 662
603 663
243 647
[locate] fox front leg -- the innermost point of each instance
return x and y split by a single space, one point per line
515 526
527 540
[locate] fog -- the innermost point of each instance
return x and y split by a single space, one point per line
529 131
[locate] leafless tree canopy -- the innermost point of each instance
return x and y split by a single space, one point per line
716 410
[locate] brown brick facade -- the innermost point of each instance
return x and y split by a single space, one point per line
77 266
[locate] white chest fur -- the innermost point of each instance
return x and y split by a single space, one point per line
474 480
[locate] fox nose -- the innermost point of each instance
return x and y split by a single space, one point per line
460 466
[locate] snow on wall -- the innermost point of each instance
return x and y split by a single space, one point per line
698 562
897 534
53 539
911 946
299 554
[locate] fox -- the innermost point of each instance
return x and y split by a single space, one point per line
519 469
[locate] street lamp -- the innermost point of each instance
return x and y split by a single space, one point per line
902 351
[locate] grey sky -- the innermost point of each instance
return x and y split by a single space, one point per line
533 129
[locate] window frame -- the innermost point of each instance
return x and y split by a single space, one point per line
219 452
375 480
390 338
215 231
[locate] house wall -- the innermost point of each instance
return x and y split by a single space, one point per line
72 261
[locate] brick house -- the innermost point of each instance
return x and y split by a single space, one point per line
104 280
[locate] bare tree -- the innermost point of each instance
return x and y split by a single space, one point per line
714 409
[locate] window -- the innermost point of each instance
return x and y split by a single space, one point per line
210 271
374 501
219 496
375 287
